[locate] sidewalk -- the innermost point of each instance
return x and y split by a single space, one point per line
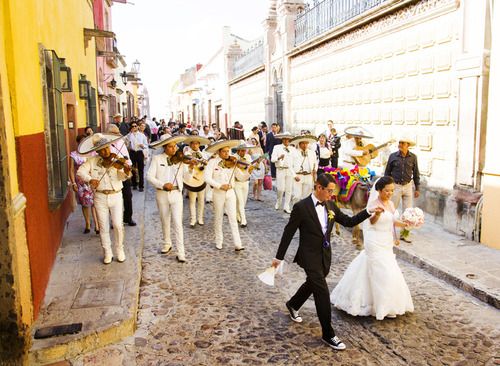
83 290
468 265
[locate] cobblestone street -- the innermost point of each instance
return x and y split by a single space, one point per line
213 310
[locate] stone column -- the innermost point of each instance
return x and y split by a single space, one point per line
269 25
491 171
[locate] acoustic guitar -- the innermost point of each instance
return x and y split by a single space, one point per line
372 150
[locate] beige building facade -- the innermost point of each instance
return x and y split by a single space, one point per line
395 67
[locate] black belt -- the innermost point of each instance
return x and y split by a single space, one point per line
402 183
174 188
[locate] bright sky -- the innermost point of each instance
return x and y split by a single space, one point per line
169 36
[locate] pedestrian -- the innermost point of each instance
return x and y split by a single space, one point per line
259 172
254 134
271 141
335 144
304 167
120 148
283 158
221 175
165 174
89 131
138 145
262 135
324 153
84 194
402 166
373 283
314 217
105 174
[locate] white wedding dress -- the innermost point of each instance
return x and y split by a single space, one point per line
373 283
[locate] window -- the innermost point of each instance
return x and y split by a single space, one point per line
92 109
55 138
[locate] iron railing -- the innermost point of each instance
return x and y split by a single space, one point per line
328 14
249 60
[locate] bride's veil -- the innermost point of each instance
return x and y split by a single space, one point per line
372 202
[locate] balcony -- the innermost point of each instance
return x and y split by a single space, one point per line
328 14
249 60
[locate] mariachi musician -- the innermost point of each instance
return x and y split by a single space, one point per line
165 174
352 147
194 178
221 173
304 167
105 174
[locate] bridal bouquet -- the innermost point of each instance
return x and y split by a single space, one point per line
413 217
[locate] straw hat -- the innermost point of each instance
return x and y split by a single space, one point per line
358 131
117 115
97 141
167 139
407 138
201 140
304 138
284 135
216 146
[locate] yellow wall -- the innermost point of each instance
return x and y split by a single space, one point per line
57 25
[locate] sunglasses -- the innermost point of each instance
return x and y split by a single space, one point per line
134 126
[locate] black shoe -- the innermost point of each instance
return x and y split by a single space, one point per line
192 226
141 189
97 232
243 225
134 188
86 231
334 343
180 260
294 314
131 223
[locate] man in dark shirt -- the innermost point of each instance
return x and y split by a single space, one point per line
402 166
271 141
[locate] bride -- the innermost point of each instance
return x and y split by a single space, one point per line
373 283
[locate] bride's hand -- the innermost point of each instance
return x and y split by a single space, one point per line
378 210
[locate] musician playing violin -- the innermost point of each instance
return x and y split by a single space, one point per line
165 174
105 174
221 173
242 181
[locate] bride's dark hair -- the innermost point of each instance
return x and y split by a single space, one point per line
383 181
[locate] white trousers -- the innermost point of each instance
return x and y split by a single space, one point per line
241 191
225 201
208 193
284 186
404 192
170 205
303 188
104 205
193 197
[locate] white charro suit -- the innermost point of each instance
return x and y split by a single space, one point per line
241 189
170 204
284 174
216 175
304 166
196 196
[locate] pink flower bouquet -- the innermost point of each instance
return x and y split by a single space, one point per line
414 218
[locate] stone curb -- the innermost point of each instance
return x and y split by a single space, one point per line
448 276
99 338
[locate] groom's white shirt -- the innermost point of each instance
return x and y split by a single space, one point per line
321 211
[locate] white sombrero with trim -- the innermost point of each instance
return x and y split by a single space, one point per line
284 135
358 131
216 146
167 139
246 146
201 140
97 141
304 138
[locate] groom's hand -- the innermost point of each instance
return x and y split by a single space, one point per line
275 263
377 210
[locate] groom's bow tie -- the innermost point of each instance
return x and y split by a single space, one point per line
320 203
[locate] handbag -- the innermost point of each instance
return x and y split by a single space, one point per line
268 183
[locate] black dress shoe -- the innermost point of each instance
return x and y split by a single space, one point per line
134 188
131 223
141 189
243 225
86 231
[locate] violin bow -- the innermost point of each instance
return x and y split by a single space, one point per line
119 151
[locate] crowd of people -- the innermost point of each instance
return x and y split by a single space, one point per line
206 165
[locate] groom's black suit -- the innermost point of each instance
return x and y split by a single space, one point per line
312 255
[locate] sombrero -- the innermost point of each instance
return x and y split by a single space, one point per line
216 146
284 135
304 138
358 131
167 139
407 138
117 115
97 141
246 147
201 140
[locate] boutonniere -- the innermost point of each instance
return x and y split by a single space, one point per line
331 215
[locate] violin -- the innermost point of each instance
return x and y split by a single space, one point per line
115 161
179 157
233 161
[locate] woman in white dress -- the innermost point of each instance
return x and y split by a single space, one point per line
373 283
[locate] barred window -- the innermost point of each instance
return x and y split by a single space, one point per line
55 138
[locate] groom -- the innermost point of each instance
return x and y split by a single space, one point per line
314 216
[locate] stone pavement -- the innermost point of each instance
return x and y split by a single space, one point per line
82 289
213 310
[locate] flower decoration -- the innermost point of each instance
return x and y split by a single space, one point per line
331 215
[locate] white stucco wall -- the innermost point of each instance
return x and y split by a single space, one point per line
247 101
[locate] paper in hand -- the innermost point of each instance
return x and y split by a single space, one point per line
268 275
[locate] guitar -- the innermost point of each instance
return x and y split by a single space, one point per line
372 153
